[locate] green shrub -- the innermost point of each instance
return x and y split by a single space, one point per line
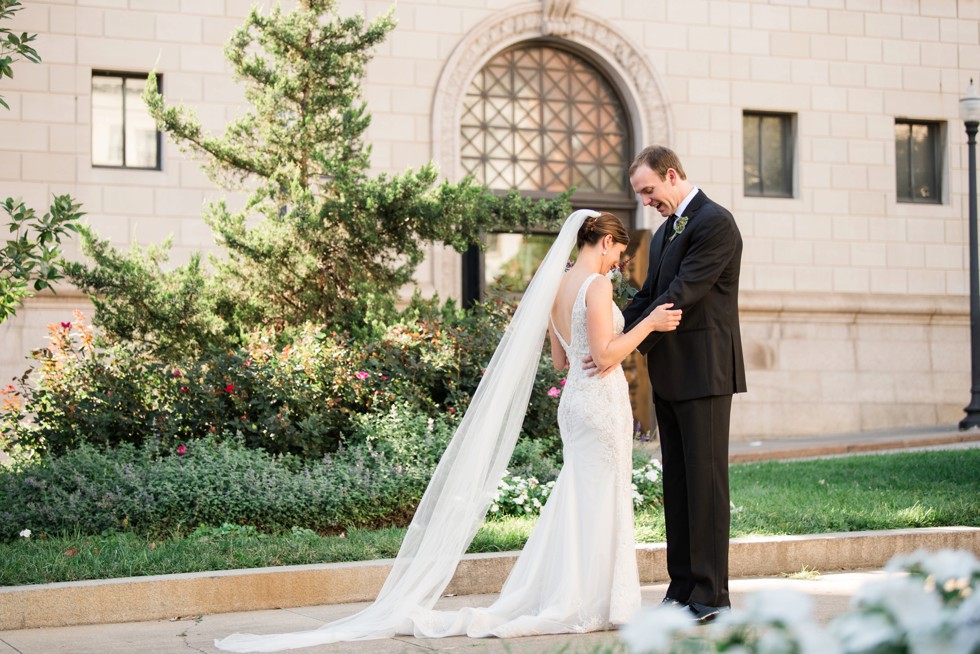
306 397
92 490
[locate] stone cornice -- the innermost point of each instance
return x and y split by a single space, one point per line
845 305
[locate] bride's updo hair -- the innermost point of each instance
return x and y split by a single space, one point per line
596 227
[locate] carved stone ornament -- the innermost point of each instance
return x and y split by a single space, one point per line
556 16
627 66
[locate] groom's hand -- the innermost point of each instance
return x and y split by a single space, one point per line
591 369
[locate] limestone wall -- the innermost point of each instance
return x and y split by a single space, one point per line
854 304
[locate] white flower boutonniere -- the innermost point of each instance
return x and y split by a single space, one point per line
679 226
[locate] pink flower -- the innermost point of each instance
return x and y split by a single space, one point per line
360 374
66 325
452 409
182 449
554 392
176 373
384 377
230 388
183 389
562 383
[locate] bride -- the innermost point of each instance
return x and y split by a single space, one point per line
577 572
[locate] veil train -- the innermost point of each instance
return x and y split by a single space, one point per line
465 481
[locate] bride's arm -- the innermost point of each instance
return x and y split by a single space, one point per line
558 356
608 349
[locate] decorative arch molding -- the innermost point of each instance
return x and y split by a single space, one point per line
605 46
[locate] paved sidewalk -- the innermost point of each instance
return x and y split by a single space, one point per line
830 594
885 440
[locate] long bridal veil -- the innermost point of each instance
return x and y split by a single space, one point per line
463 484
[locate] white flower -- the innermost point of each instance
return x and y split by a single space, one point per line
814 639
26 533
653 629
913 608
864 632
943 565
777 606
966 622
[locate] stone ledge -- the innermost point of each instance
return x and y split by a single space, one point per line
166 596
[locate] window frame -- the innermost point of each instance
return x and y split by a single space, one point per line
788 124
125 75
937 134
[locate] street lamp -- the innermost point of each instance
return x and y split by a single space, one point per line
970 115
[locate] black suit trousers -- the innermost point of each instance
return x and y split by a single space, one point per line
694 448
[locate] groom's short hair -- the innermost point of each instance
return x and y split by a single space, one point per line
658 159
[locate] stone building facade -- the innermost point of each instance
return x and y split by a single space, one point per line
828 127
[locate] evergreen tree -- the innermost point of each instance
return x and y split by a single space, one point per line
319 239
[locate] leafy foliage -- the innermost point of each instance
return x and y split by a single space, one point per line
12 44
306 398
319 239
149 491
32 259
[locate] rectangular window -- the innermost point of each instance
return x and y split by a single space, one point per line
124 135
918 161
767 146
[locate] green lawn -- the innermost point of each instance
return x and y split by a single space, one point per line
891 491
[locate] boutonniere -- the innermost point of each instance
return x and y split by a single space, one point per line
679 226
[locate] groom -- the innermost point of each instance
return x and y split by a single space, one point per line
694 262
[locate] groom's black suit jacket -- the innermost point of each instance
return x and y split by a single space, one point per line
697 271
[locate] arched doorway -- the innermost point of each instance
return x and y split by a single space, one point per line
541 118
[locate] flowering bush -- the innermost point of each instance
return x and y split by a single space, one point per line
648 484
305 397
518 495
933 608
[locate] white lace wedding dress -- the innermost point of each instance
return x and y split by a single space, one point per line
578 571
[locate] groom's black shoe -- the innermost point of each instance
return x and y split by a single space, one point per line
670 601
703 614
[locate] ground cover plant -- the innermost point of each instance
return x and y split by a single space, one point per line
888 491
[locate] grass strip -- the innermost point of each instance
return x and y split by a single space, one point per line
886 491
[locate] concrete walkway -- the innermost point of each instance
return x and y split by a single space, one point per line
830 594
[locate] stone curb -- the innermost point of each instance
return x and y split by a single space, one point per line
166 596
834 449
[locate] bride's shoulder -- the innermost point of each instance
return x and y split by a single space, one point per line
599 288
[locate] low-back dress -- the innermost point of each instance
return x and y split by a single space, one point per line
578 571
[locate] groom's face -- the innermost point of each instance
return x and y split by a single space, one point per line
656 191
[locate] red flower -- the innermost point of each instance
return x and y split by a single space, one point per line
66 325
176 373
230 388
182 449
183 389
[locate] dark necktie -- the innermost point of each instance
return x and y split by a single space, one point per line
669 231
